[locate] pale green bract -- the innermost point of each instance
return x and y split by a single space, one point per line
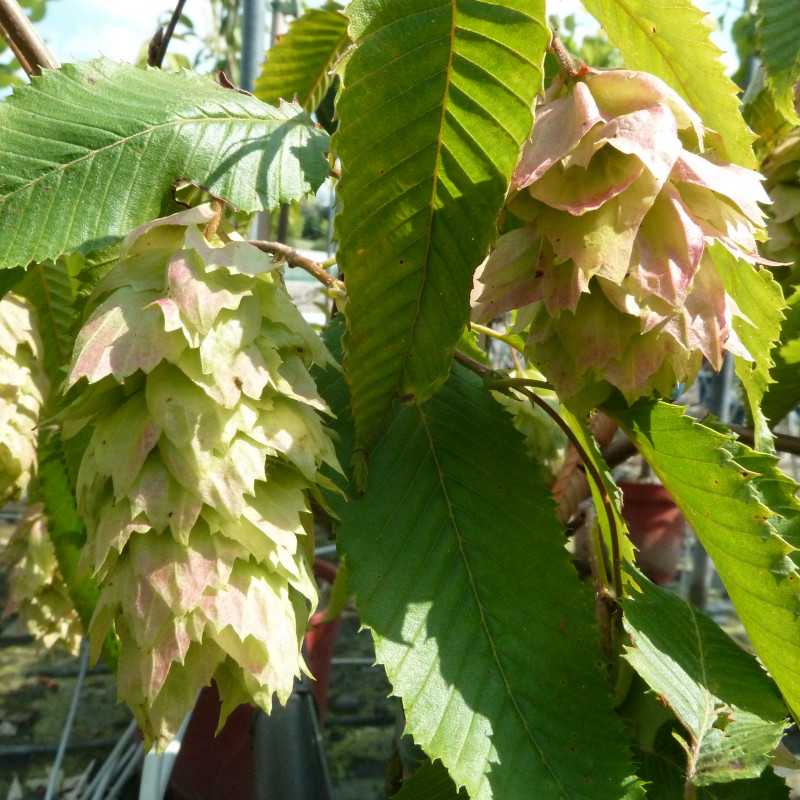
206 438
23 388
36 588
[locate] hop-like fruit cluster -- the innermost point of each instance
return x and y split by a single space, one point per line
782 170
619 208
206 439
23 388
36 589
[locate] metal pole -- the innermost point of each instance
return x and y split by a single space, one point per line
253 24
55 772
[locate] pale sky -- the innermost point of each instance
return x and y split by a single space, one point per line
83 29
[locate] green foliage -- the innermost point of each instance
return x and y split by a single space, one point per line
430 782
66 529
783 394
299 67
435 106
779 40
114 141
608 497
663 771
459 570
52 289
731 711
759 299
672 40
744 511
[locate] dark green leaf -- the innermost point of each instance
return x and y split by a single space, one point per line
430 782
779 37
299 66
435 106
784 394
730 709
460 571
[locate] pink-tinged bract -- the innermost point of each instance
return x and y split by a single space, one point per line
192 372
618 205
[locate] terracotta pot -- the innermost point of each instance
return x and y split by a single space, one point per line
657 528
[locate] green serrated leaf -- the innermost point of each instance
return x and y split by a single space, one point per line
609 489
663 771
430 782
783 393
435 106
93 150
673 41
299 66
744 511
760 302
460 572
65 527
779 40
731 710
52 289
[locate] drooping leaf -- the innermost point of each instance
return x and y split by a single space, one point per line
663 770
743 510
783 394
65 527
760 300
430 782
435 107
52 289
673 41
731 710
779 40
607 497
459 570
299 66
94 149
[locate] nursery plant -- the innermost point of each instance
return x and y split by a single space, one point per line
184 432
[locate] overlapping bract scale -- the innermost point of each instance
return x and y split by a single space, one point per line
206 438
618 205
36 588
23 388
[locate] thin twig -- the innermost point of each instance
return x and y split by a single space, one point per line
217 207
31 52
160 41
485 330
486 373
511 383
471 363
295 259
569 66
596 477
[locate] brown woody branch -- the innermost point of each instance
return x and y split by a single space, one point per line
29 48
295 259
160 41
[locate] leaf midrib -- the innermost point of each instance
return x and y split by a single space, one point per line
247 120
434 186
707 719
476 597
